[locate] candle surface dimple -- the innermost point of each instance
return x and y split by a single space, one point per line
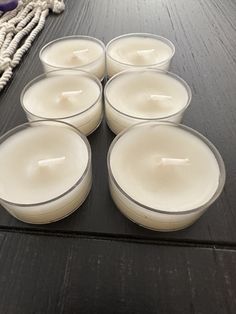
61 96
165 168
139 51
72 52
41 163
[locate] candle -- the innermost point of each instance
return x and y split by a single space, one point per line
72 96
140 95
163 176
138 50
83 52
45 171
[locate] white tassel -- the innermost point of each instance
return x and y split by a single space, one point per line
26 21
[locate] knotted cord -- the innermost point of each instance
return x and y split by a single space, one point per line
18 29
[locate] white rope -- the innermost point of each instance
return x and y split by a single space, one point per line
18 29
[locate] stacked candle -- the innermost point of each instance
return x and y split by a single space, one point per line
138 51
45 171
80 52
68 95
144 95
164 176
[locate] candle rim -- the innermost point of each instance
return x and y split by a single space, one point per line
46 75
47 122
213 149
158 37
94 39
167 73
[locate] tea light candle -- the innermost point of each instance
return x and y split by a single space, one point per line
72 96
139 95
80 52
163 176
138 50
45 171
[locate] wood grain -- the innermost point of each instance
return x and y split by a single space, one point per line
204 35
41 274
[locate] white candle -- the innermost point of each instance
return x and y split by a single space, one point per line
45 171
163 176
83 52
138 50
72 96
139 95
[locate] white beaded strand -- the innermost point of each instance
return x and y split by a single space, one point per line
26 21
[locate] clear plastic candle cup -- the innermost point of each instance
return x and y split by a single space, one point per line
78 52
135 96
72 96
138 50
164 176
45 171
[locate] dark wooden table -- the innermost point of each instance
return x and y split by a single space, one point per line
97 261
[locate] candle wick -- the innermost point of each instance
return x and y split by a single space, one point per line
71 93
51 161
143 52
78 53
160 97
66 95
174 162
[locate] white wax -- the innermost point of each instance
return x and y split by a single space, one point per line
141 51
75 99
75 52
39 164
164 168
136 96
